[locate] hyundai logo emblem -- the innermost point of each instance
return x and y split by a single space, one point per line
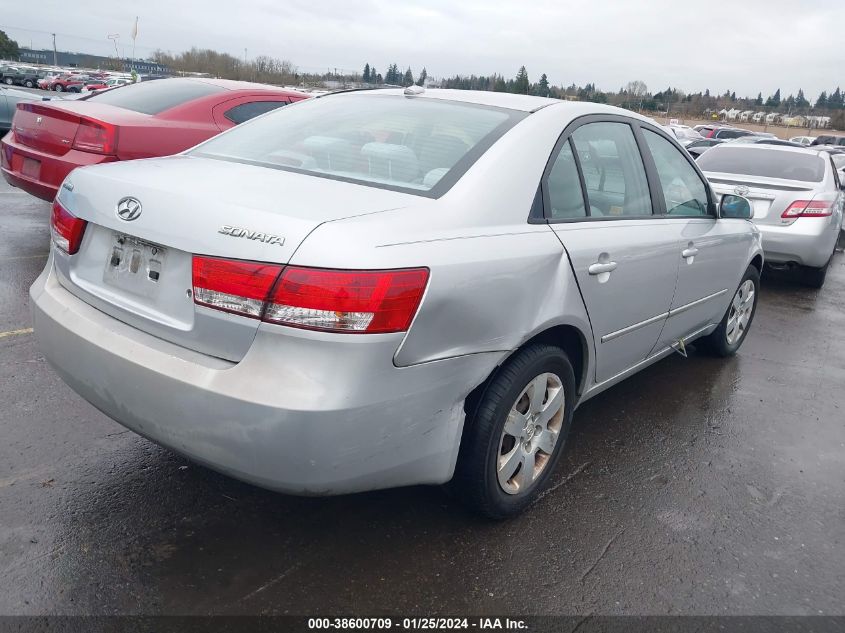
741 190
128 209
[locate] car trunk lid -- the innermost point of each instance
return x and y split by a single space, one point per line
769 197
140 270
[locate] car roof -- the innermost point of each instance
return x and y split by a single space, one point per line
507 100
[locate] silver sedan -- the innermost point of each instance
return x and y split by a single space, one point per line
797 197
384 288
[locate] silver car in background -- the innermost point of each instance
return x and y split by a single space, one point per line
385 288
797 197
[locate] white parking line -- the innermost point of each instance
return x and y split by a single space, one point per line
11 259
26 330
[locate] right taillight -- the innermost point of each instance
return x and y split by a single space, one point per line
808 209
96 136
66 229
354 301
351 301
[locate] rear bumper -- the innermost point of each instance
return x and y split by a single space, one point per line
808 241
52 169
303 412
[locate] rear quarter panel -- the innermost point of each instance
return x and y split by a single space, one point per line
496 280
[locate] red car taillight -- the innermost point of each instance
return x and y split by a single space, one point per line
66 229
362 301
371 301
96 136
233 286
808 209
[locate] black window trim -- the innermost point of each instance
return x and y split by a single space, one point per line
565 136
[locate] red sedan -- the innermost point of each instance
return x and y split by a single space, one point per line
143 120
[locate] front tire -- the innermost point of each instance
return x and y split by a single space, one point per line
516 434
58 87
726 339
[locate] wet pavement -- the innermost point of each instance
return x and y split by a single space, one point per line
699 486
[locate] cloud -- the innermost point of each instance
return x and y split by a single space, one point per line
748 47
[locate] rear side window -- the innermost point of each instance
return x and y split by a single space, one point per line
152 97
613 170
763 162
247 111
566 199
683 189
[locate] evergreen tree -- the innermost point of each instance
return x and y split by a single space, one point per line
408 79
821 102
521 85
365 77
423 76
759 100
499 84
774 100
542 87
801 100
834 101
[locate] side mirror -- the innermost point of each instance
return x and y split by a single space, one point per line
735 207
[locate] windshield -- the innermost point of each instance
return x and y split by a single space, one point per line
415 144
764 162
839 160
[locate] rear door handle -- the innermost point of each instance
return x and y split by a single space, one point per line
689 252
601 267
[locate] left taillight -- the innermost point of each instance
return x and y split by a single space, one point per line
233 286
96 136
66 229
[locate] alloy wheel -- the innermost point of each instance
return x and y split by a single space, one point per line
740 312
530 433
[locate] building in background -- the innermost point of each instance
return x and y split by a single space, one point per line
85 60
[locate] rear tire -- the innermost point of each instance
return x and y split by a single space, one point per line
58 88
8 81
725 340
491 475
28 84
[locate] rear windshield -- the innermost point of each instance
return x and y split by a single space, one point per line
152 97
417 145
766 163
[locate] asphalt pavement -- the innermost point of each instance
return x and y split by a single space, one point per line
699 486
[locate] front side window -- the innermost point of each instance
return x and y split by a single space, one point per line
613 170
566 199
409 144
683 190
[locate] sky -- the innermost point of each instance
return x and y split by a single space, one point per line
746 46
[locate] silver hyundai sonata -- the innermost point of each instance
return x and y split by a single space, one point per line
384 288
